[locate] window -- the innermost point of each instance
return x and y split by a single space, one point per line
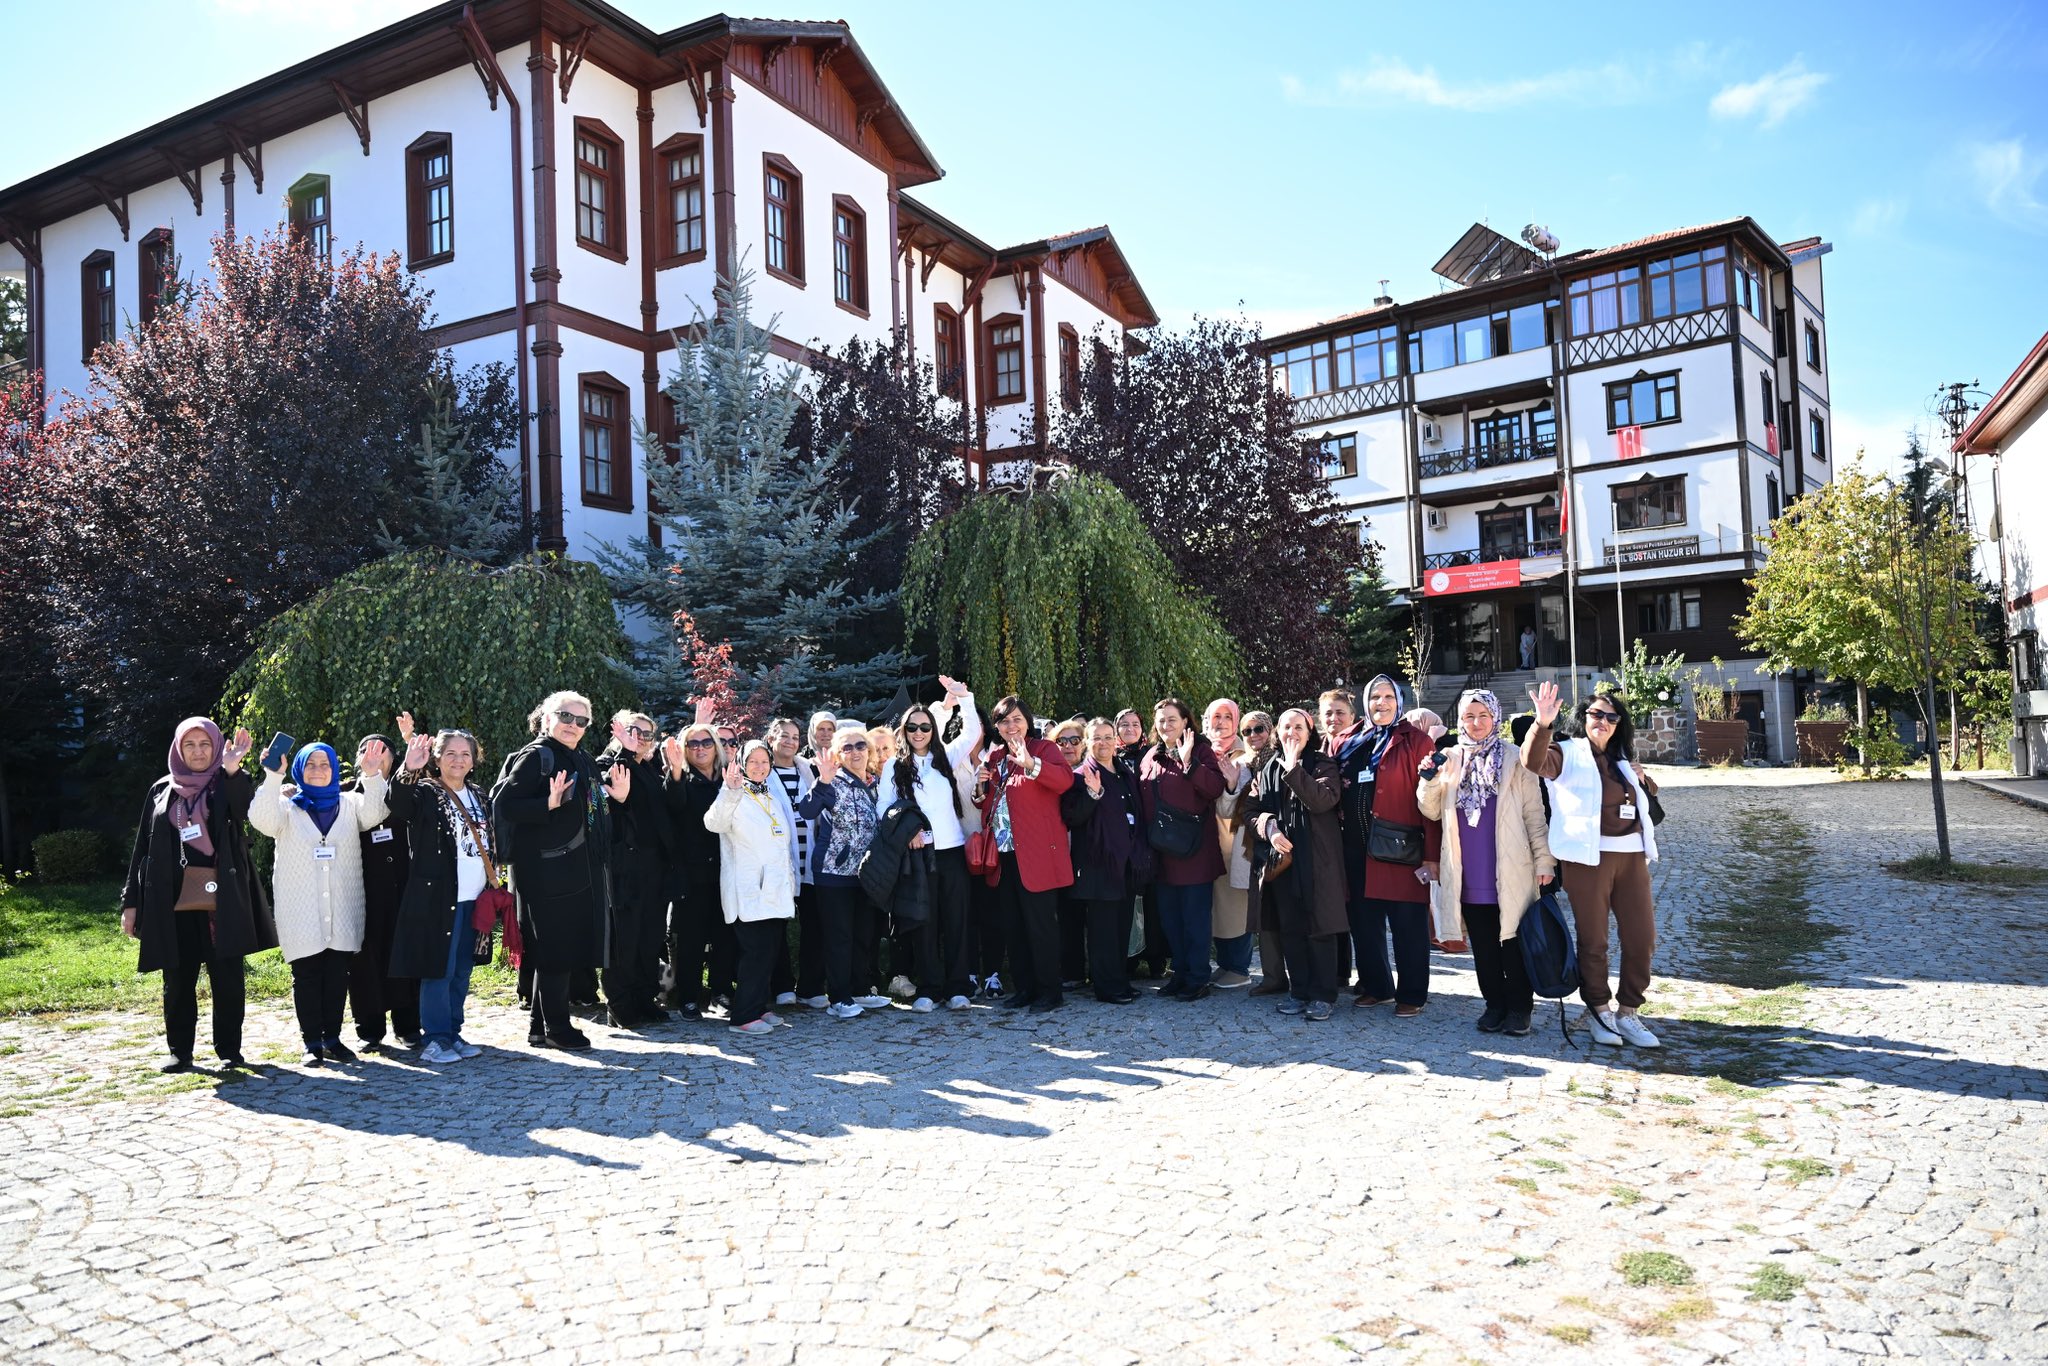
1070 366
1688 283
1749 285
1670 609
682 199
156 261
430 201
1643 401
96 295
1549 531
1481 338
1006 359
1813 346
946 350
1602 303
1816 436
311 216
1649 503
782 194
1502 533
1364 357
600 190
849 255
1340 456
1773 504
1543 428
607 460
1303 369
1770 413
1497 434
1433 348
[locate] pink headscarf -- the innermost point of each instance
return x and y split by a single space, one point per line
190 785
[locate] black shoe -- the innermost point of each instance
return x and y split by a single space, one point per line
1195 993
1517 1024
574 1041
1047 1004
536 1039
1172 991
413 1038
178 1063
314 1056
340 1051
370 1040
1017 1001
1491 1021
690 1010
234 1061
1119 1000
655 1015
620 1020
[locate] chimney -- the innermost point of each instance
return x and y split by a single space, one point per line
1383 299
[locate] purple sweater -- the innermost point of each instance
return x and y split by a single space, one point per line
1481 886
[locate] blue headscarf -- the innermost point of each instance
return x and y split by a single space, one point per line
324 802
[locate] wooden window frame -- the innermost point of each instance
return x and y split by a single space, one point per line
989 386
1711 261
1811 350
667 155
855 244
1774 498
1070 367
317 233
1383 344
1816 435
419 191
620 425
155 257
1618 493
792 271
949 371
613 177
98 315
1626 282
1344 445
1656 382
1317 353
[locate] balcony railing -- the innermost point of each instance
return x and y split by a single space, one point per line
1627 342
1352 401
1487 454
1513 550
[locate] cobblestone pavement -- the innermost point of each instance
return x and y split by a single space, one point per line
1163 1182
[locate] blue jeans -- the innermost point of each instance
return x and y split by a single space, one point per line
1235 953
1184 915
441 997
1371 918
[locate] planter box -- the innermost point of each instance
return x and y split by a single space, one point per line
1722 742
1821 743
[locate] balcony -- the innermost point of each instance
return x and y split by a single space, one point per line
1665 334
1489 454
1352 401
1532 548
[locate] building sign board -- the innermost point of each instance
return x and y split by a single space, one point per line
1472 578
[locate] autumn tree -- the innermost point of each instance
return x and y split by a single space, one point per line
1196 436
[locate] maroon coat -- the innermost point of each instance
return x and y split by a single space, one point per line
1393 799
1038 833
1160 778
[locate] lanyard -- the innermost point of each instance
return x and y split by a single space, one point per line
767 809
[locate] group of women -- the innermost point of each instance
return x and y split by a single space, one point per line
977 853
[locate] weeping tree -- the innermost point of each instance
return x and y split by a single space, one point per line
1056 592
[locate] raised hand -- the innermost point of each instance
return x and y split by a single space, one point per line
375 757
405 727
1544 695
1290 750
418 749
618 781
1092 776
732 773
237 749
953 686
558 788
828 766
672 755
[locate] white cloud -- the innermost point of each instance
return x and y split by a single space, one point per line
1768 99
1391 81
2007 179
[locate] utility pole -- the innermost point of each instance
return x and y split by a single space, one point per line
1953 405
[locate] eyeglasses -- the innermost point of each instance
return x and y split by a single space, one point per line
1258 730
700 744
854 744
570 718
917 728
1606 718
640 731
1068 740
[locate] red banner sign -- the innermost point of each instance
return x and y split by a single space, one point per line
1628 443
1472 578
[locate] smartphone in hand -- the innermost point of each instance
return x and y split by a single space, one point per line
281 746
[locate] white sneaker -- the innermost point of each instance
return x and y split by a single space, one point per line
1602 1023
439 1054
787 998
841 1011
993 986
957 1003
901 987
814 1002
470 1050
1635 1031
771 1017
873 1002
922 1005
753 1027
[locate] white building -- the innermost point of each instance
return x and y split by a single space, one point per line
2012 429
1499 441
568 183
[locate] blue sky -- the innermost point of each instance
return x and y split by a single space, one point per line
1284 158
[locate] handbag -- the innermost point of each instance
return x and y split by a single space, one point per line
983 858
1173 832
1393 842
198 890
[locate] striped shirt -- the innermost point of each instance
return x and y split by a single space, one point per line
790 781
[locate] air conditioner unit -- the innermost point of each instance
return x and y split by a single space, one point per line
1432 433
1438 519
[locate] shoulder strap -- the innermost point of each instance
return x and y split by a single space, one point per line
483 844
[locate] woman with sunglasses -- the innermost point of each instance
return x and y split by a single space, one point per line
1101 809
643 847
558 812
844 808
1070 738
697 928
1604 840
924 772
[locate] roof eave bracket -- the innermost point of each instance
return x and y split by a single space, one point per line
480 55
117 204
357 110
250 153
572 58
194 184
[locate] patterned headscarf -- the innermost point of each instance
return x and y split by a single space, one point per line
189 785
1480 782
1376 737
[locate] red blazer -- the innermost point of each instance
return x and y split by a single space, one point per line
1196 790
1393 799
1038 834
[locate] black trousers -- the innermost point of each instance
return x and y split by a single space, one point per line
757 940
551 1005
1031 922
697 922
634 974
985 911
843 914
1503 977
810 945
224 980
374 997
944 956
1156 950
1073 938
319 993
1109 934
1315 966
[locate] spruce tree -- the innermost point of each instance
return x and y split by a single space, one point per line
754 548
450 499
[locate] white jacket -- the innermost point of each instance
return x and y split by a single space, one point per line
318 902
757 872
1575 807
957 754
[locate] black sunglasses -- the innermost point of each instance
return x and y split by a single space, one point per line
1608 716
917 728
700 744
570 718
1257 730
853 744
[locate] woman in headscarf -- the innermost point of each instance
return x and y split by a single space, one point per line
1295 814
1395 850
757 877
190 897
374 994
1496 853
316 880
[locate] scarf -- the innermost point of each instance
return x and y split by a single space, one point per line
189 786
1376 737
1480 782
746 752
322 803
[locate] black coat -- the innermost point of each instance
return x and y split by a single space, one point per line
426 912
696 848
1303 802
387 860
242 924
896 877
1111 858
644 838
561 862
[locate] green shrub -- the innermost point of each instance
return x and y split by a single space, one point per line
1646 683
1884 754
64 856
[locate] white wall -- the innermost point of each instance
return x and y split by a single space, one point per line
1473 376
583 526
591 281
1706 404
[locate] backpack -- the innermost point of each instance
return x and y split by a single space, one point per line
1548 953
504 834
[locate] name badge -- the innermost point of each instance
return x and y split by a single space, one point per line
1472 818
188 833
1129 819
323 853
1628 811
381 836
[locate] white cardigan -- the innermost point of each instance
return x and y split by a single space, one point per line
757 873
1575 808
318 902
